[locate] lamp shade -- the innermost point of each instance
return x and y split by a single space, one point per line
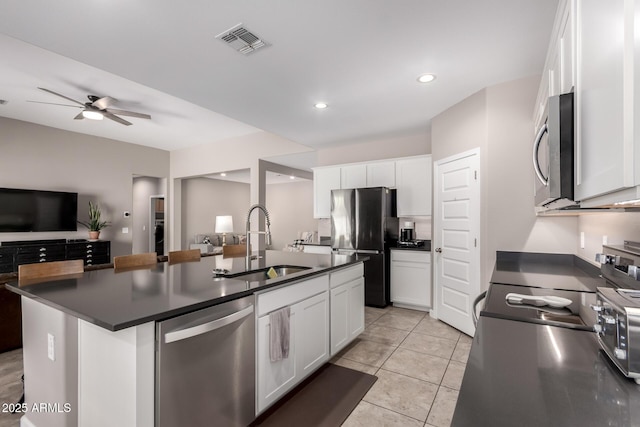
224 224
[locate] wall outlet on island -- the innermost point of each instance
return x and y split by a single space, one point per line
125 230
51 353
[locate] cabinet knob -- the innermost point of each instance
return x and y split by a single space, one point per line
439 250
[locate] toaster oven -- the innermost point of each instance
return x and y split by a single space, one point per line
618 328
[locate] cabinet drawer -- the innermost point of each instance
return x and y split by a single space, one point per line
288 295
346 275
410 256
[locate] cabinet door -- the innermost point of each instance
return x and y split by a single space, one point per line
413 184
354 176
324 180
339 318
356 308
604 149
382 174
566 51
312 337
411 281
275 378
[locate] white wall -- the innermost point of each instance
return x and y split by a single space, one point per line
290 208
204 198
98 169
382 148
498 120
618 227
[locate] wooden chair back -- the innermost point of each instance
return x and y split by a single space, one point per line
184 256
232 251
30 273
145 260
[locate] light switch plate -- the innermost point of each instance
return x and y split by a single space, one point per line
51 353
125 230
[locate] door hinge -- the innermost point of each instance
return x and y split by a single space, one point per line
475 175
475 243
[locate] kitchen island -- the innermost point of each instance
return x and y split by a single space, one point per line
525 372
90 341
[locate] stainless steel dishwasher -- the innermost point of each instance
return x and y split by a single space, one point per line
205 367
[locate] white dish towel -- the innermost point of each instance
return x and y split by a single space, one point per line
279 334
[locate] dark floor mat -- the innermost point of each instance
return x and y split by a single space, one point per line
324 399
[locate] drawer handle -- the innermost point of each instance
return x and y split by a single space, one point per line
89 256
43 249
89 246
43 260
43 255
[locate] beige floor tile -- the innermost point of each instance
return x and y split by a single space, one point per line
453 375
428 344
436 328
397 321
465 338
369 353
384 335
406 312
417 365
443 407
367 369
399 393
461 352
368 415
371 314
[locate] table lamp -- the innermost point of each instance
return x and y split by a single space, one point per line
224 225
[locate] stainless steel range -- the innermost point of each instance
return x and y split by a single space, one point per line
618 307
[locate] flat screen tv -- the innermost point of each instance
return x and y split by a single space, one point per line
33 210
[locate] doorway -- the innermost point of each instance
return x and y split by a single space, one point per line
147 192
457 238
156 219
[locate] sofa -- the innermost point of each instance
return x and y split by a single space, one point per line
212 243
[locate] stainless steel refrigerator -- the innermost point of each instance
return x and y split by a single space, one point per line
363 220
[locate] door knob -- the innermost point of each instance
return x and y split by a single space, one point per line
439 250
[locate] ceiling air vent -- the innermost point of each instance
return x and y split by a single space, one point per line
241 39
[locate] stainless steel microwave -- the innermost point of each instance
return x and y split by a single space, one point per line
553 158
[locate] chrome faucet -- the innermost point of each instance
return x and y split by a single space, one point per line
248 232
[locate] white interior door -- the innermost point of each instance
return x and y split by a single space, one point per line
457 238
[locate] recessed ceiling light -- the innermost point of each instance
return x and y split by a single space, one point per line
426 78
320 105
223 174
93 115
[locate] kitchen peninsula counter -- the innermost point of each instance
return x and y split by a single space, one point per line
119 300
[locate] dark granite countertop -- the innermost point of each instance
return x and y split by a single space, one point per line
120 300
533 375
554 271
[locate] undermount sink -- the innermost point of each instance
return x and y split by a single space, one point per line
261 274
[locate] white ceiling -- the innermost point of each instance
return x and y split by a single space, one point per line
362 57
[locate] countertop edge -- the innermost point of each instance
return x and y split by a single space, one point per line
314 271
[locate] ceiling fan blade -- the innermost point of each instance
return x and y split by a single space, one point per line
128 113
61 96
79 116
53 103
115 118
104 102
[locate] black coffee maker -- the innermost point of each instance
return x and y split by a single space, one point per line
406 232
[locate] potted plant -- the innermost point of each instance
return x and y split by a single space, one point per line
95 223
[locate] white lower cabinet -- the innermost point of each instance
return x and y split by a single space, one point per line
411 278
347 306
308 338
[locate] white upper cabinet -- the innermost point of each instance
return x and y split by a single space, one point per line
604 98
411 176
353 176
381 174
324 180
413 184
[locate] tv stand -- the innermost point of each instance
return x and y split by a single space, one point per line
14 253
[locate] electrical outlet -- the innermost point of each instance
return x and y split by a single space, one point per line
582 240
605 240
125 230
51 352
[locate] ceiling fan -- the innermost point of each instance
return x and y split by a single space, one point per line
97 108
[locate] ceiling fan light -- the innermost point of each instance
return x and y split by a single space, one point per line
92 115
